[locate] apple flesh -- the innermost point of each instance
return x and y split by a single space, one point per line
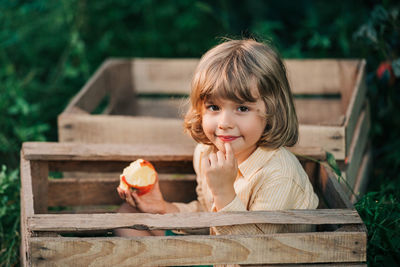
140 175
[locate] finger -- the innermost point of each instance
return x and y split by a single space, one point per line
220 157
121 193
230 156
213 159
130 199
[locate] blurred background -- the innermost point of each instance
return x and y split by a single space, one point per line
49 49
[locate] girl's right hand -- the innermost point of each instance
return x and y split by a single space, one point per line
151 202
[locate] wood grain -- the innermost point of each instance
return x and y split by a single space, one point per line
102 191
190 250
53 151
84 222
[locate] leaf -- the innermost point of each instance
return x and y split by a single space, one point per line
332 163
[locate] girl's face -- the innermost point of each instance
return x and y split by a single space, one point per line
240 124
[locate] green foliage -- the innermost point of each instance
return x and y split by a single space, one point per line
9 217
381 214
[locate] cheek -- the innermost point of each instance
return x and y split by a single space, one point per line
208 125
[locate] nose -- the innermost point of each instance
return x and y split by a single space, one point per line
225 120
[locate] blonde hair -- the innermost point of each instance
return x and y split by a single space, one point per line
232 70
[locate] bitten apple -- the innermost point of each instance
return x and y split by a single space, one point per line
140 175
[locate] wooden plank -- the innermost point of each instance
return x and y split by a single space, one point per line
54 151
122 130
114 152
331 191
319 111
39 174
85 222
356 151
102 191
120 89
168 76
26 198
189 250
161 165
361 183
92 93
163 108
330 138
356 103
308 76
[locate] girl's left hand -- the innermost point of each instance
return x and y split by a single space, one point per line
221 170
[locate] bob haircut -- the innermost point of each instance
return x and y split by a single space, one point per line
235 70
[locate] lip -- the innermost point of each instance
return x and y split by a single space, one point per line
227 138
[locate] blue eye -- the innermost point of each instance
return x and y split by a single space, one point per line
243 109
212 107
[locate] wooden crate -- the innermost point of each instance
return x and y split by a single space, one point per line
146 102
81 237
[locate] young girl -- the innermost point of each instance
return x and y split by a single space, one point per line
242 115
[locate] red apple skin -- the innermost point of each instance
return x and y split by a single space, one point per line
141 190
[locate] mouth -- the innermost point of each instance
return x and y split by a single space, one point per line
227 138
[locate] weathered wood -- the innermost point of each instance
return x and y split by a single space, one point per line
126 130
313 76
119 87
101 166
356 103
319 111
39 176
83 222
92 93
357 148
331 191
102 191
102 152
170 76
27 210
331 137
189 250
363 175
53 151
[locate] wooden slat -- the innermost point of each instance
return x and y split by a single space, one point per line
308 76
122 130
168 76
331 191
356 103
114 152
119 87
54 151
361 183
102 191
190 250
330 138
92 93
161 165
39 176
319 111
26 197
84 222
357 148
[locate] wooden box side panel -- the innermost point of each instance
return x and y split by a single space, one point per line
355 102
187 250
122 130
357 149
